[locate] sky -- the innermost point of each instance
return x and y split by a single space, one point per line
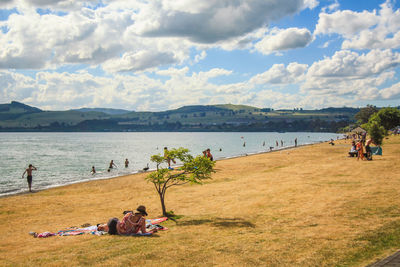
155 55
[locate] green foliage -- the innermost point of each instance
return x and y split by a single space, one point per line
215 118
375 130
365 113
387 117
380 122
194 171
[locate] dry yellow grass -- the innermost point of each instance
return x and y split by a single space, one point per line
310 206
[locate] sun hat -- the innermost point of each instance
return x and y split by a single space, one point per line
142 210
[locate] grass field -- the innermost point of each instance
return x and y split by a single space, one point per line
310 206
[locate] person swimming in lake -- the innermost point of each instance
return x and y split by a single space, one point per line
112 164
133 222
28 171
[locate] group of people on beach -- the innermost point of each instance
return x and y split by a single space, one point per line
111 166
357 149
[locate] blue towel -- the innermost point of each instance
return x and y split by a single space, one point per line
376 150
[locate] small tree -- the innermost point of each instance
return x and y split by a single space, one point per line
376 131
194 171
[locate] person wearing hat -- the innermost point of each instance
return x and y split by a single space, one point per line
132 223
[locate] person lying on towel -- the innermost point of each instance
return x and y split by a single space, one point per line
132 223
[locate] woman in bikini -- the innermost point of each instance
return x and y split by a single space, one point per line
132 223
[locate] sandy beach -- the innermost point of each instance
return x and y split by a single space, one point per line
305 206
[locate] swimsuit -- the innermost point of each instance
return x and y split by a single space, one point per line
29 177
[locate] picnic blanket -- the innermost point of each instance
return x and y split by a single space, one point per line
376 150
72 231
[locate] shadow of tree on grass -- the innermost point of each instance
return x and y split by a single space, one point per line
232 222
194 222
219 222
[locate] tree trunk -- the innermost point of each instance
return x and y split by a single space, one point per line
164 211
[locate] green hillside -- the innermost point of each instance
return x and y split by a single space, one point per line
20 117
15 109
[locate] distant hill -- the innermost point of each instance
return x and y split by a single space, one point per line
225 117
109 111
16 109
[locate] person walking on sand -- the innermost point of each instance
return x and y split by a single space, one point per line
126 163
112 164
28 171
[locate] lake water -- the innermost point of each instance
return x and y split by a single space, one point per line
65 158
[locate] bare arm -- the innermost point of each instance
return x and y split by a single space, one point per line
34 168
23 174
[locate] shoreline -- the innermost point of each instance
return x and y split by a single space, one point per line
312 206
141 172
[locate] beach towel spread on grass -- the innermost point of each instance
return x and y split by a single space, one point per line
376 150
72 231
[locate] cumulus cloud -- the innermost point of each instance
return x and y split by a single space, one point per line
133 35
40 41
279 74
351 64
200 56
278 39
364 30
142 60
332 7
346 22
352 75
392 92
57 5
211 21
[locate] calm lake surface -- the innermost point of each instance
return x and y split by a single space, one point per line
65 158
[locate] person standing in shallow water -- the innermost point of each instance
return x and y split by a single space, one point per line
112 164
126 163
28 171
209 155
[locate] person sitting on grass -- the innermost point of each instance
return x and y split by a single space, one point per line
353 151
133 222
